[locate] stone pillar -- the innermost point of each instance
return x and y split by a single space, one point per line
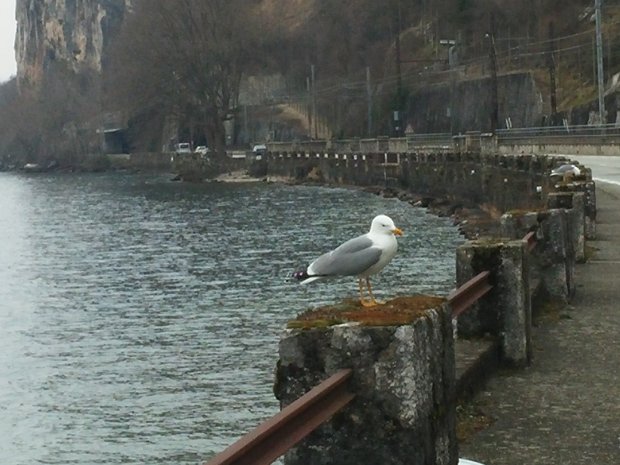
579 225
556 257
513 288
588 187
404 412
574 204
517 225
506 310
589 190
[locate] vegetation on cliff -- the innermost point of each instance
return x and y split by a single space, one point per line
346 65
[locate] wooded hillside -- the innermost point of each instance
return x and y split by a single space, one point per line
343 68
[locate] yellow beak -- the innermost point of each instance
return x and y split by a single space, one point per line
397 232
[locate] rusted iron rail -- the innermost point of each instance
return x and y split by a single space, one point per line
275 436
530 240
462 298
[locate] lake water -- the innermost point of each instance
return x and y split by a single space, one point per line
139 318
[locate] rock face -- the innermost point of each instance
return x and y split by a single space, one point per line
76 32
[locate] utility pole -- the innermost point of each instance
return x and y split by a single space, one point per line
314 116
399 78
309 107
599 61
245 124
398 122
369 97
451 44
552 84
493 60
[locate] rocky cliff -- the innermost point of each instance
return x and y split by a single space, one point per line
76 32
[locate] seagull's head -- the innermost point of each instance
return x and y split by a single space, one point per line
383 224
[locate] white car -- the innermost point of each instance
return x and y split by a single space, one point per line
201 149
259 149
183 148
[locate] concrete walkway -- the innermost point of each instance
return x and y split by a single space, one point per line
565 408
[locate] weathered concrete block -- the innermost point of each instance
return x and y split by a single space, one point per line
574 203
472 258
506 310
515 225
578 232
589 190
515 303
556 257
404 410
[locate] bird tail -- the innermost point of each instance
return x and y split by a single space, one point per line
304 278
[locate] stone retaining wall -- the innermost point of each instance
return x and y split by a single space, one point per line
404 376
505 182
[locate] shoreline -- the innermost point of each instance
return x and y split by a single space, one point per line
472 222
242 176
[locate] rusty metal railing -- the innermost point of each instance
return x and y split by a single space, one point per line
275 436
465 296
530 240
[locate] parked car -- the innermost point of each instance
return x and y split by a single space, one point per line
202 150
259 149
183 148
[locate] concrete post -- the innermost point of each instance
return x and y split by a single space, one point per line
506 311
516 225
556 256
588 187
574 203
579 224
589 190
404 379
513 288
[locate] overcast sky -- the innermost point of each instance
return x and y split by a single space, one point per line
7 39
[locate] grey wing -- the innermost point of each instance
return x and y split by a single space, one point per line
351 258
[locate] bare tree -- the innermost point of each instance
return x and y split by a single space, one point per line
186 58
55 120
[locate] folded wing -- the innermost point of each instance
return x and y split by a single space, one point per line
350 259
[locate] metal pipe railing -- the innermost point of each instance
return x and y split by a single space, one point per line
277 435
469 293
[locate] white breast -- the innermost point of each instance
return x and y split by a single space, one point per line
388 246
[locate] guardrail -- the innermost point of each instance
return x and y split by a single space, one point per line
560 132
275 436
604 134
468 294
530 240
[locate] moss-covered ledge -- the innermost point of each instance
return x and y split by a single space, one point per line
396 312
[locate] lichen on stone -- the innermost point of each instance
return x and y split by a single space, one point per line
397 312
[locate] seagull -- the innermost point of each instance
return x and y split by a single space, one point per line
566 171
362 257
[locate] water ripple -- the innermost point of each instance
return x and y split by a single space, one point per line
139 318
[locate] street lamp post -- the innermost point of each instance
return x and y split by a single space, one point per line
599 61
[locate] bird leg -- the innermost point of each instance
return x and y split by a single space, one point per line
363 301
372 297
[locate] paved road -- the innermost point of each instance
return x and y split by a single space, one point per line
603 168
565 408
